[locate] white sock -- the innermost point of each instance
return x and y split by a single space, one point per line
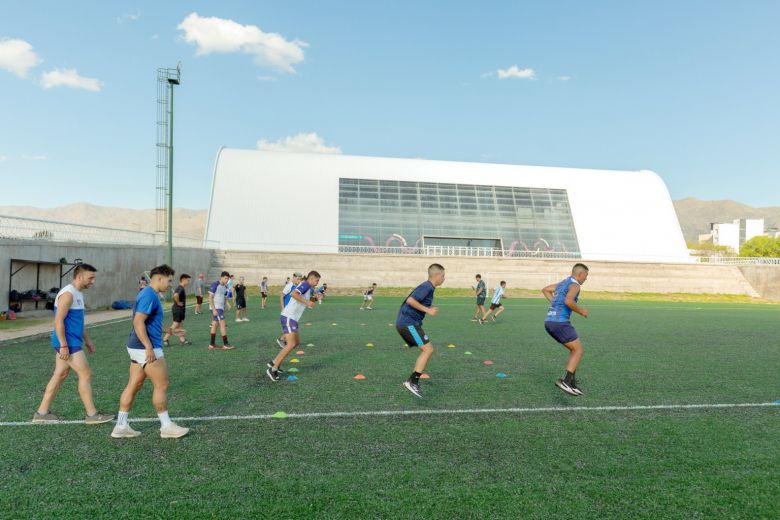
165 421
121 418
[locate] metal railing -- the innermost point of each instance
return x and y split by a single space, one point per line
22 228
736 260
456 251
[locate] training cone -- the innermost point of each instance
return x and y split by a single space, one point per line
369 344
501 375
280 415
300 353
424 376
334 324
292 378
450 346
292 370
488 362
467 353
360 376
294 360
310 345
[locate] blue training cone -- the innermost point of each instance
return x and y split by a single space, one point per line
501 375
292 378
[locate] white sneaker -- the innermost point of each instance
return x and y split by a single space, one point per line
124 432
238 319
245 319
173 431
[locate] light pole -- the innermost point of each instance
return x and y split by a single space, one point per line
172 77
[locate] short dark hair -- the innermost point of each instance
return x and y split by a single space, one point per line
83 267
185 275
578 267
479 276
163 270
314 274
434 268
502 282
224 273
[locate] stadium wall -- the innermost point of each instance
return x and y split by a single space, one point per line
119 267
354 271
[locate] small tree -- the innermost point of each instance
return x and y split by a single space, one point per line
761 246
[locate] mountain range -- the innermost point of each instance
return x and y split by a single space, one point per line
694 215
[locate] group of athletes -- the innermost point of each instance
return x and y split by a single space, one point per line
147 336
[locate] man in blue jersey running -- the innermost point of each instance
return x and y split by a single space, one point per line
145 348
68 340
284 299
563 298
409 323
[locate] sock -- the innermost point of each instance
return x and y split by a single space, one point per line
213 339
568 377
121 418
165 421
43 412
92 414
415 377
224 340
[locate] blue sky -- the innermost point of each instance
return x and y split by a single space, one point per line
688 89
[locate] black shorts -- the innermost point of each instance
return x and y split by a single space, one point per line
178 313
240 303
199 299
264 294
495 306
413 335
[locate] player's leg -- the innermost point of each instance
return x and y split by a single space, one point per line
157 373
488 313
78 362
135 381
501 309
61 371
293 340
223 330
568 382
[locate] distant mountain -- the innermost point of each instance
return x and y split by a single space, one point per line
187 222
696 215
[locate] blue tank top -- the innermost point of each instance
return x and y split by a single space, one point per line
74 320
560 312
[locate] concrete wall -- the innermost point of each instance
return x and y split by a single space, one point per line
119 267
343 270
764 278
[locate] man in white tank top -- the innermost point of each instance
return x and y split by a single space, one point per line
68 341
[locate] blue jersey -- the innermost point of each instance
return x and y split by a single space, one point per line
147 302
74 320
408 315
560 312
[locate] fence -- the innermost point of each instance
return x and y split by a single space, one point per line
21 228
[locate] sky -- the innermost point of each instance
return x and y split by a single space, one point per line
688 89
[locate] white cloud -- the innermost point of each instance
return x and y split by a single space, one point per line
130 17
17 56
219 35
69 78
34 157
303 142
564 78
515 72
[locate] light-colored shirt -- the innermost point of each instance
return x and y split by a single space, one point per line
497 294
74 320
219 291
294 309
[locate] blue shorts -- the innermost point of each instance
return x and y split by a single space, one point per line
562 332
480 301
229 295
289 325
220 315
72 349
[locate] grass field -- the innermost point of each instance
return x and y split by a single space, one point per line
566 461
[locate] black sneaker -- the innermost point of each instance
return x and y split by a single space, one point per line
481 321
565 387
271 366
273 374
413 388
577 389
493 318
281 343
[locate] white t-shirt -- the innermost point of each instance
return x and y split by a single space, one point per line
294 309
499 292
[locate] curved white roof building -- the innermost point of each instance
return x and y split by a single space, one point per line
280 201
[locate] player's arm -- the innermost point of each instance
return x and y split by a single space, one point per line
63 306
549 292
88 341
176 299
572 293
296 295
480 290
139 326
211 304
420 307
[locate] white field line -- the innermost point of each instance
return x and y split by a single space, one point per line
380 413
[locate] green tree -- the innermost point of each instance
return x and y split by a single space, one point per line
761 246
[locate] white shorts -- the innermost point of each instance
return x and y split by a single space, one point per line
139 355
367 297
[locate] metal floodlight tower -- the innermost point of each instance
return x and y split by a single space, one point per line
166 80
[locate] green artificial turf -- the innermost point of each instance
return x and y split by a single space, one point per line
668 463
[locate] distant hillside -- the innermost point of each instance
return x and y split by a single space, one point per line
696 215
187 222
